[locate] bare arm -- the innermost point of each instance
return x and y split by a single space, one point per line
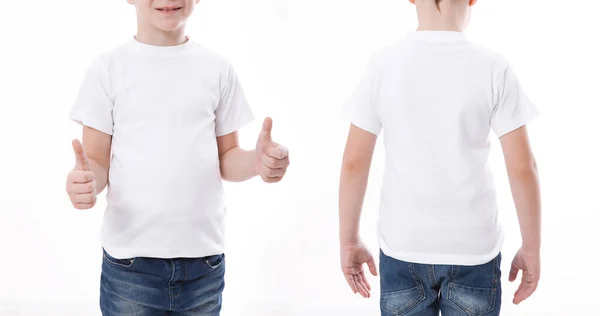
353 185
236 163
269 160
524 184
97 146
353 182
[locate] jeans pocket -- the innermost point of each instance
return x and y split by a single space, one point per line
399 303
123 263
215 261
472 300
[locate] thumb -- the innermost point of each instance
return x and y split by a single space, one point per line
372 267
81 160
265 133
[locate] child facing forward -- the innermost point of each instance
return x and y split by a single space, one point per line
168 110
437 96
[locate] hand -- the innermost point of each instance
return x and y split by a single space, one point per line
529 263
272 159
353 257
81 181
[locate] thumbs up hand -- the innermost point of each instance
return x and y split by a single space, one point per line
81 181
272 159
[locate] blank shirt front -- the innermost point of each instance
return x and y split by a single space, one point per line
164 107
437 96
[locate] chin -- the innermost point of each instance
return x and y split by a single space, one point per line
168 25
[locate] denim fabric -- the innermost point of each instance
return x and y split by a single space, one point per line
151 286
426 290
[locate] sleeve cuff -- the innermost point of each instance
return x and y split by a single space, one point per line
374 129
103 127
516 123
230 128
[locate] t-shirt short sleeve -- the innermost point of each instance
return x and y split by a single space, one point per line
512 108
361 109
93 106
233 111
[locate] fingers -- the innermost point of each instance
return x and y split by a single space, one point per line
528 285
80 182
362 287
366 282
277 152
84 206
82 188
372 266
351 283
77 176
513 273
272 173
272 169
265 133
525 290
521 285
274 163
87 198
352 258
81 160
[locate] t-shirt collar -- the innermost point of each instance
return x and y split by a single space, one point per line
437 36
159 51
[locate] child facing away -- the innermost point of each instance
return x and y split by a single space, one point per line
160 116
437 96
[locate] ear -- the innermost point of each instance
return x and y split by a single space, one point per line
131 1
472 2
197 1
411 1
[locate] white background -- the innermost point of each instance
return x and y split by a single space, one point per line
299 62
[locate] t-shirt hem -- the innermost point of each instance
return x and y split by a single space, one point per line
126 253
441 259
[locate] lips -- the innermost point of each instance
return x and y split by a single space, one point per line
169 9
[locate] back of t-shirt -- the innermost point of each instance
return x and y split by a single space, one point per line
437 96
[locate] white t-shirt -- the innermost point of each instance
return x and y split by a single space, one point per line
164 107
437 96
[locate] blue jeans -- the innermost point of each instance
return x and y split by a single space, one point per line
425 290
151 286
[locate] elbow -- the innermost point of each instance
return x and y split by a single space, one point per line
351 166
226 177
222 169
525 170
223 172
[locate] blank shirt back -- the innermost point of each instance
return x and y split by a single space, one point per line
437 96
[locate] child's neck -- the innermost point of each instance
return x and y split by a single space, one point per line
439 27
153 36
430 19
